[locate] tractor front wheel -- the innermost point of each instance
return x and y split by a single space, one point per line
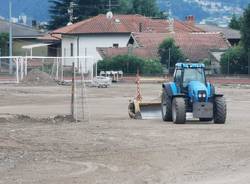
220 110
166 109
179 110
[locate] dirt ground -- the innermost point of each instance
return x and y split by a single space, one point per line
110 147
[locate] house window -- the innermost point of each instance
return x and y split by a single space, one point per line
115 45
71 49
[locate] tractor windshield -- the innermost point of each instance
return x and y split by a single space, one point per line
193 74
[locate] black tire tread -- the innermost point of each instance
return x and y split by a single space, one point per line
180 110
220 110
168 114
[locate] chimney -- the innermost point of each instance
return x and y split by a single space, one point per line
190 20
171 25
140 27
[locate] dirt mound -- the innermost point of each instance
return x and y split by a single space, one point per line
37 77
25 118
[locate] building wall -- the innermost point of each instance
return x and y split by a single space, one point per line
19 51
89 43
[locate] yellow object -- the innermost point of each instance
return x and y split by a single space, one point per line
140 110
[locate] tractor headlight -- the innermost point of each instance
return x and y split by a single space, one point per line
204 95
200 95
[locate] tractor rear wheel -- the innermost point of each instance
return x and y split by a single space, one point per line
179 110
220 110
166 109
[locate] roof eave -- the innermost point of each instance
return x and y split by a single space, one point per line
93 33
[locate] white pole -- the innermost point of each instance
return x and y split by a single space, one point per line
22 62
26 66
75 94
17 70
57 68
10 39
96 68
61 61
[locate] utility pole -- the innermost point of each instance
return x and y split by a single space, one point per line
10 38
109 5
71 8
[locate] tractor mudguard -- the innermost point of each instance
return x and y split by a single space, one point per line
218 95
210 89
171 89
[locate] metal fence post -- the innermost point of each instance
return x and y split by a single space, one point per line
73 92
17 70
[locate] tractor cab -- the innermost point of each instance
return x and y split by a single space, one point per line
185 73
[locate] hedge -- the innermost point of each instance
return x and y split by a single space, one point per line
130 64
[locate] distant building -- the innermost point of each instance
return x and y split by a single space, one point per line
23 35
233 36
30 41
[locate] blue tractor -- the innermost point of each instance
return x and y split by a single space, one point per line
191 93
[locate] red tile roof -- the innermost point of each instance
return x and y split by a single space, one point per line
124 24
49 37
195 46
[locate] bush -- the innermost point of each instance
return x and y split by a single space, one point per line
4 37
130 64
152 67
234 61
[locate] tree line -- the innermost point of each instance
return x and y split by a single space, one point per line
60 10
236 60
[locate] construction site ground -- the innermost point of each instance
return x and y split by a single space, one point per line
35 147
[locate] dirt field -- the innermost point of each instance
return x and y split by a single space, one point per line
111 148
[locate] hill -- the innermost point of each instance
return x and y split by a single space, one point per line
34 9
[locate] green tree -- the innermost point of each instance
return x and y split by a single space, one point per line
168 49
84 9
233 61
245 29
4 38
59 13
235 23
245 35
146 7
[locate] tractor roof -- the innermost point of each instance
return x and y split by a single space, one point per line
189 65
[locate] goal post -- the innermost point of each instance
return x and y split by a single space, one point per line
59 68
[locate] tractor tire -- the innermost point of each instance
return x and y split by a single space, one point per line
131 110
166 108
220 110
206 119
179 110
